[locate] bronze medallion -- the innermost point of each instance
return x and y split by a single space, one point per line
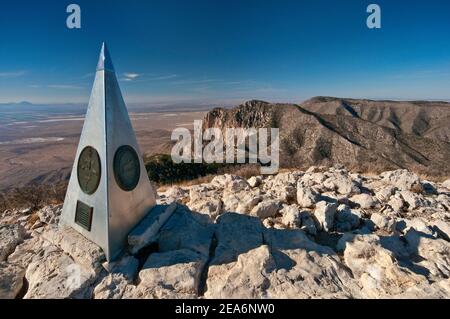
89 170
127 168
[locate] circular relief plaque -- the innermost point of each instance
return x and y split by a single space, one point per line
89 170
127 168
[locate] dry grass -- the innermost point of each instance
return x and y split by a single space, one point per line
33 196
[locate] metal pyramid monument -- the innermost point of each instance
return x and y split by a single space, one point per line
109 191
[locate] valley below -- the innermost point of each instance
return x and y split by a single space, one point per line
41 150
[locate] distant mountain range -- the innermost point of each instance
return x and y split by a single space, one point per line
361 134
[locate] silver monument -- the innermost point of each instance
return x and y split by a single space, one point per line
109 191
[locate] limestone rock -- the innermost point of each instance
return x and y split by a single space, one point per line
82 250
113 286
446 184
178 270
254 181
121 276
397 203
10 237
308 224
325 213
211 207
385 193
346 218
442 228
307 197
290 266
436 290
245 278
242 202
365 201
50 214
268 208
146 231
434 254
402 179
377 270
186 230
231 182
11 280
236 234
383 222
177 194
58 276
27 251
413 200
291 217
342 183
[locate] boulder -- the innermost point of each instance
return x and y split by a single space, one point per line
385 193
341 183
402 179
291 217
236 234
113 286
230 182
58 276
307 197
383 222
325 213
267 208
82 250
446 184
11 280
10 237
397 203
242 202
434 254
414 200
442 228
365 201
50 214
177 270
186 230
347 219
289 266
254 181
146 232
211 207
175 194
308 224
377 270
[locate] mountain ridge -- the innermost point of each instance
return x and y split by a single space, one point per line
362 134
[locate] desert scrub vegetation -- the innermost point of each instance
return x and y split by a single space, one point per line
32 196
163 171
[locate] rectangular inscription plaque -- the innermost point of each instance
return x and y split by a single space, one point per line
83 215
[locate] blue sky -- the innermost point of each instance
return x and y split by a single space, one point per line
224 52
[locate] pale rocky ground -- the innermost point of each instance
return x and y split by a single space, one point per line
323 233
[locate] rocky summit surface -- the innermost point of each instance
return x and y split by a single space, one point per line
320 233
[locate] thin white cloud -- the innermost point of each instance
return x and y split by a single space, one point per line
129 76
136 77
63 86
12 74
195 81
163 77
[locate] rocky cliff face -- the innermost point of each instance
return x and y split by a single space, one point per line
364 135
320 233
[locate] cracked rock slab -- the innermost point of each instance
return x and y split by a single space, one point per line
11 280
10 237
